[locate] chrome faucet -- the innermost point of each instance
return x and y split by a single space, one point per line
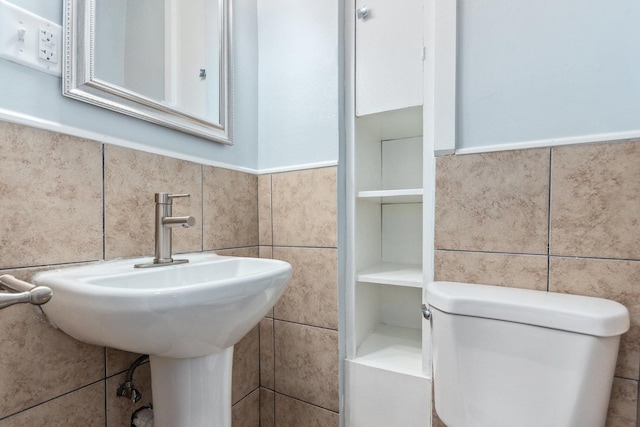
164 223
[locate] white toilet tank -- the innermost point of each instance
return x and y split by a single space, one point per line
506 357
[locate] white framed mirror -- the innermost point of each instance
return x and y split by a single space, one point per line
165 61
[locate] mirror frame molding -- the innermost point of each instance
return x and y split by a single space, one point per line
79 81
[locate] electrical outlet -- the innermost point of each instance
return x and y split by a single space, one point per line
48 46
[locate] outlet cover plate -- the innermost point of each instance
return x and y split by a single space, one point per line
29 39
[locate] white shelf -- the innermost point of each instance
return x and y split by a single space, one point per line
392 274
410 195
393 349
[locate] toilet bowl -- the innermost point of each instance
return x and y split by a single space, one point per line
506 357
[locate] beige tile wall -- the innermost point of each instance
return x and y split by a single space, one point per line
561 219
297 213
68 200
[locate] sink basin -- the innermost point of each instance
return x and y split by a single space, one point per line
187 317
183 310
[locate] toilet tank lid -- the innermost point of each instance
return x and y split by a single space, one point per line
575 313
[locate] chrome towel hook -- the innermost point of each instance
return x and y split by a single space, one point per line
22 292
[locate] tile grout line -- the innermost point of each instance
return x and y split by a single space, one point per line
273 350
106 417
104 207
549 220
273 312
488 252
104 257
305 402
271 210
52 399
202 207
530 254
304 324
246 396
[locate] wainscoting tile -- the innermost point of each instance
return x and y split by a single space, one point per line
246 413
131 178
82 408
311 297
267 408
494 202
251 252
266 353
246 365
118 361
294 413
610 279
623 403
306 364
230 208
266 251
305 208
517 271
51 187
264 210
40 362
595 200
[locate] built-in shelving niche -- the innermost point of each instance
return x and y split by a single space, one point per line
388 241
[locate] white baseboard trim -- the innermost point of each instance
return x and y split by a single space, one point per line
35 122
316 165
554 142
28 120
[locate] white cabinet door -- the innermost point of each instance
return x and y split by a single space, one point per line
389 55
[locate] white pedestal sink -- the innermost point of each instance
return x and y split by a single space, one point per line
186 317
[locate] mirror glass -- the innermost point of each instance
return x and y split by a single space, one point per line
165 61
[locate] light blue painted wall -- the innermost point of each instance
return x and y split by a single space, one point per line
287 90
50 9
26 91
299 82
546 69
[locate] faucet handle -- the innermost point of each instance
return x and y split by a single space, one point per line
166 198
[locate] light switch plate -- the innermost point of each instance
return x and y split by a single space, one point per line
29 39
